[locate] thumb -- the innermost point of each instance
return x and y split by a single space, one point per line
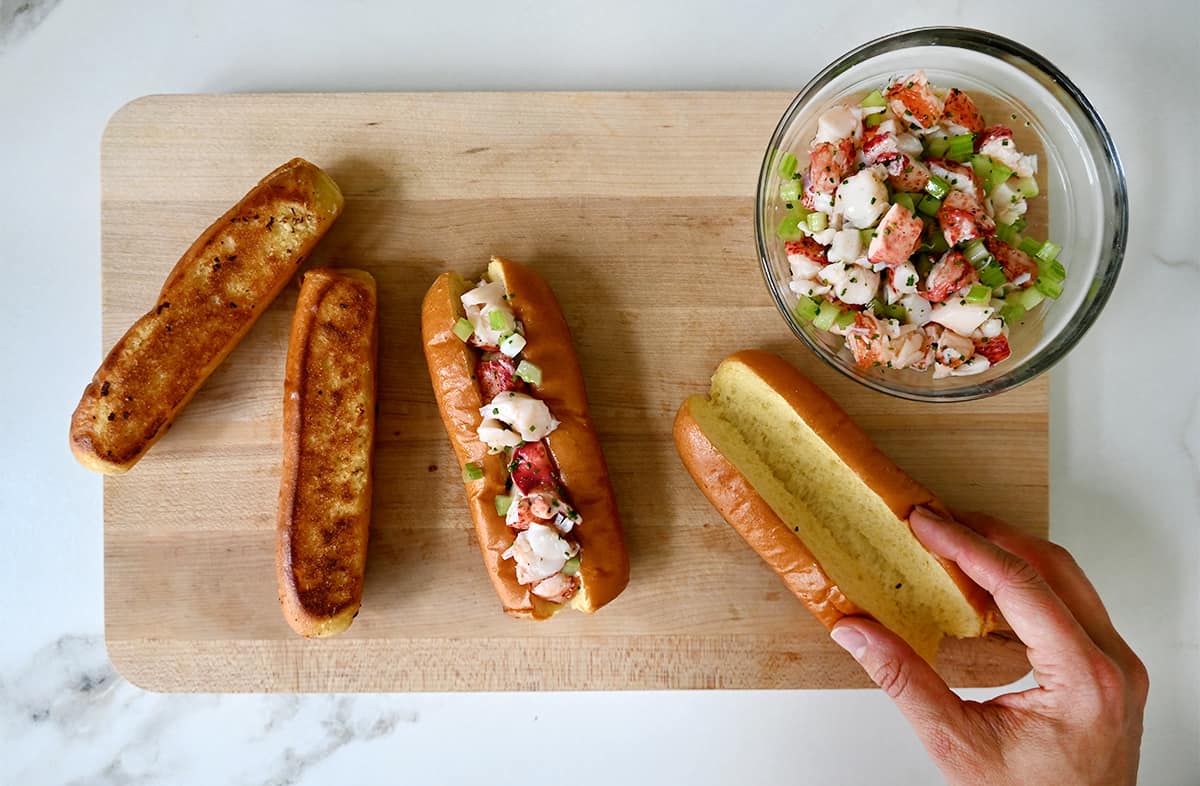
919 693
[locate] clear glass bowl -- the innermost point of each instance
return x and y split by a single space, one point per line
1083 196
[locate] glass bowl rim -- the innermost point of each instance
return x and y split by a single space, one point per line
993 45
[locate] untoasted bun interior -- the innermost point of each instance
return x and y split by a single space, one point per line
862 545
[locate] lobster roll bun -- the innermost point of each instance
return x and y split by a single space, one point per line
828 512
511 395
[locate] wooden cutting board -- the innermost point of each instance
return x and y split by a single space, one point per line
637 207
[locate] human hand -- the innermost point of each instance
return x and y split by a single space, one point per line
1082 725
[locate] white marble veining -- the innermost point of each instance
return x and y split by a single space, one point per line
1125 435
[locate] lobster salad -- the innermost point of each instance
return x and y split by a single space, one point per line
903 231
516 423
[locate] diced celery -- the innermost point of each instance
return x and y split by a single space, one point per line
789 227
1027 187
865 235
1030 246
845 319
1048 252
1000 173
937 241
1029 298
936 146
1011 312
1007 233
806 309
983 168
463 329
817 221
924 265
873 120
503 503
501 321
906 200
1019 224
472 471
787 166
961 147
529 372
571 567
874 98
992 275
975 251
929 205
1048 288
979 294
895 311
937 187
827 312
1052 271
789 191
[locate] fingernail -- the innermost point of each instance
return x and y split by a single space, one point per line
850 640
925 513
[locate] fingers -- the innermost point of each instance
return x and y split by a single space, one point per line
1056 565
1055 641
919 693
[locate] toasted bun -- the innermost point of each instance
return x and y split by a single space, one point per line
806 488
215 293
604 564
328 434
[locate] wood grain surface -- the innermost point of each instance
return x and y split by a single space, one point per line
638 209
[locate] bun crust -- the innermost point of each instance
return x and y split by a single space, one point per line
328 436
604 566
216 292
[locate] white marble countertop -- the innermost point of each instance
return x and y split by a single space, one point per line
1125 406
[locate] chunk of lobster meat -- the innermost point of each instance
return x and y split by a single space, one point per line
960 200
496 374
995 349
1019 268
828 164
997 143
958 226
867 342
906 173
806 257
949 348
914 100
532 468
961 177
993 135
559 588
948 275
896 237
879 147
960 109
